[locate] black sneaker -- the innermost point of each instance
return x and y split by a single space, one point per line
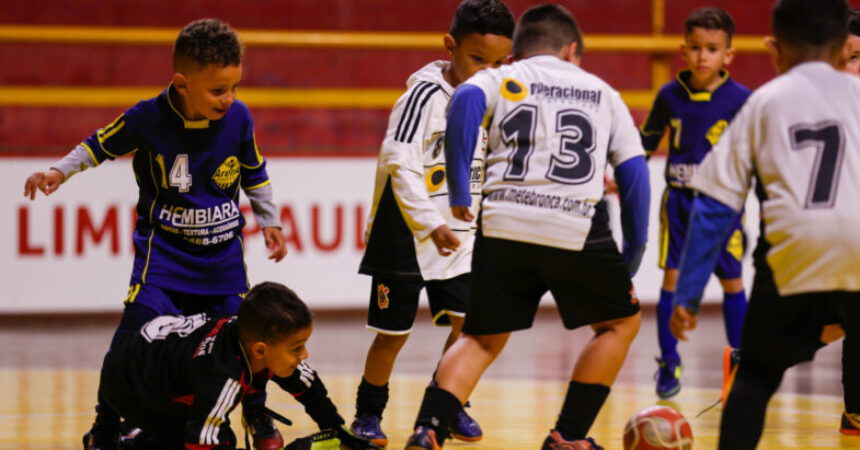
262 429
104 434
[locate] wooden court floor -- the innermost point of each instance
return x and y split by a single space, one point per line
49 374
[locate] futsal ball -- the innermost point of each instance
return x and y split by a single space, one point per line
658 427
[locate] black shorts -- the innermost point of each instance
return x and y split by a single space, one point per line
509 278
781 331
394 302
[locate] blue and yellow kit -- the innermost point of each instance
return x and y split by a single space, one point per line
696 120
188 234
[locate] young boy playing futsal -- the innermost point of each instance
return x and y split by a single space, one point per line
179 377
553 129
798 138
194 148
697 107
410 212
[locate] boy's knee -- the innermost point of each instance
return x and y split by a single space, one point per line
390 342
490 343
732 285
626 328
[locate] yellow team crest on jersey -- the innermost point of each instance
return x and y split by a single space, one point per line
716 131
435 178
227 173
513 90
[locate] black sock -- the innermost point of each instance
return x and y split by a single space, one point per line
850 373
581 405
370 399
438 411
743 417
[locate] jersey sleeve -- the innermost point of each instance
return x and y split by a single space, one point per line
251 162
112 141
402 154
307 387
654 127
624 140
207 426
465 114
726 172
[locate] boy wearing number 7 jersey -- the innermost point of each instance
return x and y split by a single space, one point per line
552 129
194 148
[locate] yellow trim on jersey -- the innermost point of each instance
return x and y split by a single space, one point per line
92 155
159 158
664 231
191 124
105 134
152 231
251 188
133 290
704 96
245 266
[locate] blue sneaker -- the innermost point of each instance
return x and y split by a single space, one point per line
668 378
367 427
466 428
424 438
555 441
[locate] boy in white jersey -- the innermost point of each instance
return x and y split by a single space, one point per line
798 137
552 129
410 211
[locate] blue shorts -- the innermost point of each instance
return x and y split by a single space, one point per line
168 302
674 218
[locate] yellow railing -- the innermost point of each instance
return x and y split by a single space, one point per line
70 96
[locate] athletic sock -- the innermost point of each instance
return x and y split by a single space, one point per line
734 312
668 343
438 411
370 399
581 405
850 372
743 417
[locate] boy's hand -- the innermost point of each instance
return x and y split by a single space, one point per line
445 239
682 320
276 243
47 182
463 213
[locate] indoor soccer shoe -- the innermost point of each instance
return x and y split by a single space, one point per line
668 378
731 358
367 427
466 428
850 424
104 435
424 438
262 429
556 442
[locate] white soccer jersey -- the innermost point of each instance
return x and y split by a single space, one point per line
412 160
553 127
799 137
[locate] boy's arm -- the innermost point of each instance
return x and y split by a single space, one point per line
402 158
305 385
465 114
634 187
654 127
208 426
109 142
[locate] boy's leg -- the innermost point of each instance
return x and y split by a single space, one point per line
392 307
729 271
850 311
673 229
743 416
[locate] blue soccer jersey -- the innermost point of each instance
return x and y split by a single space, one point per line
188 235
696 120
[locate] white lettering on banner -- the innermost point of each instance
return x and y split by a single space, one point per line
80 237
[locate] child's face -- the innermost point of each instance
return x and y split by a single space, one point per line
208 92
851 54
283 357
475 52
706 52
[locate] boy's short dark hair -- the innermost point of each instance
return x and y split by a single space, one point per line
546 27
482 17
812 24
854 22
271 312
711 18
204 42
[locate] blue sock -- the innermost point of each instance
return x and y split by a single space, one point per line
734 311
668 343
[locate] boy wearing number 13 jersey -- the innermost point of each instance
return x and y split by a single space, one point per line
552 129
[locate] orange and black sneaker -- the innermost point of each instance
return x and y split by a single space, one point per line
731 358
424 438
555 441
850 424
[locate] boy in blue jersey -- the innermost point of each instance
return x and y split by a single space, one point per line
194 148
697 107
410 212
